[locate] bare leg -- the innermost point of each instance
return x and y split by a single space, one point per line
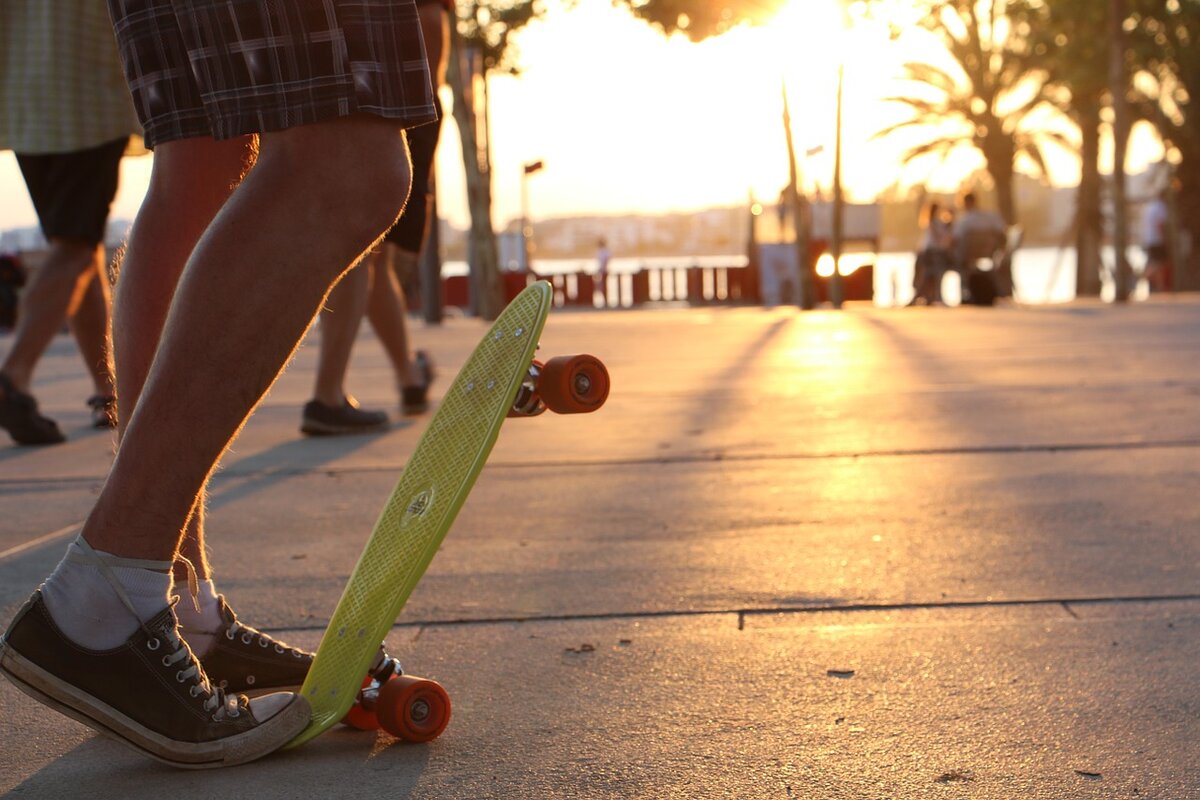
252 285
386 309
51 295
340 321
188 188
90 326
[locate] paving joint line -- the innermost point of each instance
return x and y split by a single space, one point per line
743 613
696 458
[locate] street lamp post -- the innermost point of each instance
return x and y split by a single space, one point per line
528 169
839 204
849 9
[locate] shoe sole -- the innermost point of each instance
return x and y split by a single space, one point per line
103 718
314 428
425 365
20 438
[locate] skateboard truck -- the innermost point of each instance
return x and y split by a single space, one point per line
527 402
362 714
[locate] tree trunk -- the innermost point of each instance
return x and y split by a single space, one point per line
1121 124
999 152
1089 222
1000 167
487 296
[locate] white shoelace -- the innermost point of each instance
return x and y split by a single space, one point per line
217 703
264 641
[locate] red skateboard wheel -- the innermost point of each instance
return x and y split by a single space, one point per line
414 709
573 384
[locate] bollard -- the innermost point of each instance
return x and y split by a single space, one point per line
641 288
695 285
455 291
585 290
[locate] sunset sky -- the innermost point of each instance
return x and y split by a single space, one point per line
629 121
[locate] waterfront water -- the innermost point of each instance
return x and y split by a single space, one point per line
1040 274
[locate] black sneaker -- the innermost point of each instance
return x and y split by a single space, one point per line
242 659
104 410
414 399
19 416
322 420
149 693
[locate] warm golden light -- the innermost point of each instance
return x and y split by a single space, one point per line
674 125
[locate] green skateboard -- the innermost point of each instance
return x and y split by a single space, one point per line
499 379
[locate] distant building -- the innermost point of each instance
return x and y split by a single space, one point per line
30 240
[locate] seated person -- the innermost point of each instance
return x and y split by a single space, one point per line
977 233
978 236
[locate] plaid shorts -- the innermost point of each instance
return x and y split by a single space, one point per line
225 68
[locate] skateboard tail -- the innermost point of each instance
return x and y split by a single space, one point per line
427 498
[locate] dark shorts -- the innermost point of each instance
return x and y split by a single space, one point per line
225 68
73 192
409 231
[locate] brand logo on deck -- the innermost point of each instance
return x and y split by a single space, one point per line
420 504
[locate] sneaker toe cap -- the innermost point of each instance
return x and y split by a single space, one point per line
269 705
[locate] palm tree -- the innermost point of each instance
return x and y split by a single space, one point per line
1068 39
986 102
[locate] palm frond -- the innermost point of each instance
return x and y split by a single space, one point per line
920 105
1033 151
940 147
920 72
927 121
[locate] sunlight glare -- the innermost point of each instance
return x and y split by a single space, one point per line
630 121
845 266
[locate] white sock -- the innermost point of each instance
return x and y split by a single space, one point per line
200 628
85 606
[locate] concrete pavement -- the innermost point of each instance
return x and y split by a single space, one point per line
871 554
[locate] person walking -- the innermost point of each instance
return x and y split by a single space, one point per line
1154 224
378 286
65 111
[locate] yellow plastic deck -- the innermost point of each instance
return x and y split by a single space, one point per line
433 487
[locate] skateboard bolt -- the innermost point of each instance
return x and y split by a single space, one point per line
583 384
419 711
